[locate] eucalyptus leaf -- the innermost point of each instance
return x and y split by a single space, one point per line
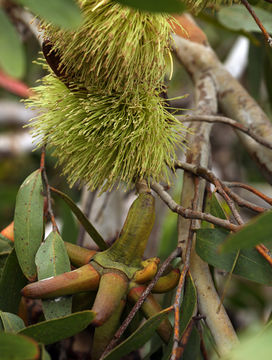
11 322
169 6
97 238
250 264
12 58
237 17
11 283
28 223
63 13
256 231
51 331
17 347
138 338
52 260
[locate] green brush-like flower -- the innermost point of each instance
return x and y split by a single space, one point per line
103 112
198 5
116 48
102 139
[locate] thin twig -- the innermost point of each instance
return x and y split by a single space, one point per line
48 192
140 302
176 345
264 252
221 187
189 213
184 340
177 303
228 121
258 22
249 188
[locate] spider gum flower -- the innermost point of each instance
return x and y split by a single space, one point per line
116 48
198 5
105 118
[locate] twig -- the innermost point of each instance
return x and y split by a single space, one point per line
222 188
48 192
264 252
225 120
258 22
184 340
189 213
177 303
176 345
249 188
141 300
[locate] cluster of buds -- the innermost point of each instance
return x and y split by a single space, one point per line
116 275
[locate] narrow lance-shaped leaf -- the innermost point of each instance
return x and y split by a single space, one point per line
28 223
11 283
169 6
257 231
63 13
11 322
250 264
139 337
51 331
51 260
97 238
17 347
12 59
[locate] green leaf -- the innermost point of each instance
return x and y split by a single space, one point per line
44 353
252 347
63 13
5 244
12 281
11 322
51 331
192 348
213 207
256 231
138 338
12 58
250 265
51 260
169 6
17 347
97 238
187 311
237 17
28 223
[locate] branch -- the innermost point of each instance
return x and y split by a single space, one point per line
250 188
258 22
225 120
221 187
189 213
192 55
233 99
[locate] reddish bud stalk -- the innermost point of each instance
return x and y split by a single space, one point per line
105 333
78 255
112 288
151 307
85 278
